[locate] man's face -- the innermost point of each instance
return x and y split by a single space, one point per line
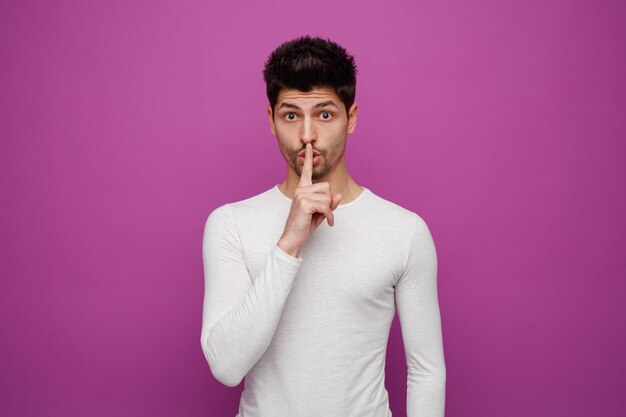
317 116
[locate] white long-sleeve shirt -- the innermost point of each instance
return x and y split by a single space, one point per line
309 333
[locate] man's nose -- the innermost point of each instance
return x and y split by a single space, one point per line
308 131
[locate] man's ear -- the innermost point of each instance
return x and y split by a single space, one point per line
352 118
271 118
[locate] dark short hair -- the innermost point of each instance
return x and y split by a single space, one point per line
306 63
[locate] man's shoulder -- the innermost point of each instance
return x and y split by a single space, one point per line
252 204
394 213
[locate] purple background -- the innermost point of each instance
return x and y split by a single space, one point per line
124 123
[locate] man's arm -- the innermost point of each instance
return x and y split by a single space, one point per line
239 317
420 321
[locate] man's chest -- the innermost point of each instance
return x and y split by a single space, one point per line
348 265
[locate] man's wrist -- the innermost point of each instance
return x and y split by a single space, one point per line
288 249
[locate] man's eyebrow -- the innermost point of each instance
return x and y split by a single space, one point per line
289 105
325 104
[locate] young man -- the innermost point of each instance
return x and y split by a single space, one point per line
301 307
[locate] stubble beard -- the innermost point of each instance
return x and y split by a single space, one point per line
333 154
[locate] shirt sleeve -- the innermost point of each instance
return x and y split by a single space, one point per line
418 310
240 315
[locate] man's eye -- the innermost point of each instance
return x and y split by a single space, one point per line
290 116
326 115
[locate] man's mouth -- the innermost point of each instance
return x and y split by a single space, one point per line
315 160
301 154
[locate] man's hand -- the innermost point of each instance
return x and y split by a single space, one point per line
310 205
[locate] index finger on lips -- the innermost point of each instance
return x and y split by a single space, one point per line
307 167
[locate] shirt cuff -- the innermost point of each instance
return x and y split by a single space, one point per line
281 254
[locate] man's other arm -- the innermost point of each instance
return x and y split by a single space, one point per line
418 310
239 317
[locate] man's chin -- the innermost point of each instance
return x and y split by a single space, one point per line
318 171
